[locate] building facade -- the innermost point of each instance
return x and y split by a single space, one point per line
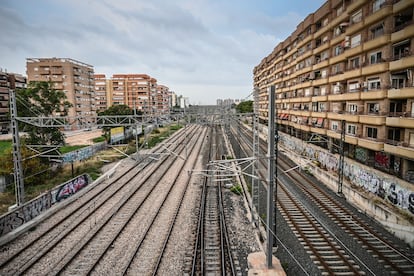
5 86
349 64
101 92
74 78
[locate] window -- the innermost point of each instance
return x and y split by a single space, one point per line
351 129
352 108
398 80
354 63
315 107
372 132
356 17
322 107
324 55
334 125
338 50
337 69
374 84
377 4
394 134
377 31
375 57
353 86
373 108
401 49
355 40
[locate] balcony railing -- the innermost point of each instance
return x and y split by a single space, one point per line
401 114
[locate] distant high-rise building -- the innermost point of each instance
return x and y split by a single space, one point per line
74 78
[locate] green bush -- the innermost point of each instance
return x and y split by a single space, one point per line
237 189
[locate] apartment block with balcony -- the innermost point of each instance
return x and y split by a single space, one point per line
102 89
349 61
5 86
163 99
74 78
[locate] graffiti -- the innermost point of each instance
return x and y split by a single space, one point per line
83 153
361 154
364 177
382 160
71 187
25 213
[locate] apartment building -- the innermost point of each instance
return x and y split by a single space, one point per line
163 99
349 64
5 86
138 91
73 77
102 89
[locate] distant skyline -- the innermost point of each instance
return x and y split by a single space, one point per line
202 49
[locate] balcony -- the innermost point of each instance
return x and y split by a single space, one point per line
321 64
355 27
317 114
300 100
321 47
349 52
372 144
403 121
353 96
374 94
305 113
403 93
351 140
323 98
378 15
343 17
318 130
353 73
374 43
337 58
375 68
354 5
343 116
405 33
372 119
334 134
338 77
399 150
402 63
320 81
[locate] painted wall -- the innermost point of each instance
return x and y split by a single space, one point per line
392 189
36 206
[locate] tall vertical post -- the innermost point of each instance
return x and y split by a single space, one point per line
17 157
271 174
341 159
256 148
136 133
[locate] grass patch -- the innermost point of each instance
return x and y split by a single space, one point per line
237 189
99 139
66 149
5 145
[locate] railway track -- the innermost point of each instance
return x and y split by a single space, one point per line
322 241
62 233
212 252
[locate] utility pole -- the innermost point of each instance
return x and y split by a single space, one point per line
17 157
256 148
341 159
271 175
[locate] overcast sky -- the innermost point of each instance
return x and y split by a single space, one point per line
201 49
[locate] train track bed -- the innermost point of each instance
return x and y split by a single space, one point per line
329 236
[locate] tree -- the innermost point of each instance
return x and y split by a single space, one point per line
115 110
245 107
41 99
120 109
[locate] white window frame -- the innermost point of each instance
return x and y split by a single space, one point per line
351 129
374 84
334 125
355 40
352 108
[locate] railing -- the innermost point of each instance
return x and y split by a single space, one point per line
401 114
